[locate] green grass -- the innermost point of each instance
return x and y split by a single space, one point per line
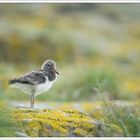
7 125
85 84
127 118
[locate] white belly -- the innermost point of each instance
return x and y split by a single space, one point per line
40 88
43 87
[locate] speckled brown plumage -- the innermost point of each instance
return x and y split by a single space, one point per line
37 82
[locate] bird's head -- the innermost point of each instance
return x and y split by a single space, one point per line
49 65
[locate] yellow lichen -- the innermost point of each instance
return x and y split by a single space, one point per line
80 132
56 122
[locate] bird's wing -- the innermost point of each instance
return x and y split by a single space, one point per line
33 78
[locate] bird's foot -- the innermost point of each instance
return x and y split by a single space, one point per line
24 107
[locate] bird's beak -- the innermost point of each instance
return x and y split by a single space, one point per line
56 71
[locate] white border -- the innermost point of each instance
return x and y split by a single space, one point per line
69 1
77 138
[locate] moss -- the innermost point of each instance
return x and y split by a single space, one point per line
56 122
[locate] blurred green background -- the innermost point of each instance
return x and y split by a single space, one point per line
96 48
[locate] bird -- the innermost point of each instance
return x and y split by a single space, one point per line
37 81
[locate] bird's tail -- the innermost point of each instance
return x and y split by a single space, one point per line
12 81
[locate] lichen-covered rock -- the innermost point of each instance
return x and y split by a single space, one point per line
60 122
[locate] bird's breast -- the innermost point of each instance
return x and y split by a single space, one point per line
40 88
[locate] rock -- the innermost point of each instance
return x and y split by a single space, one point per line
61 122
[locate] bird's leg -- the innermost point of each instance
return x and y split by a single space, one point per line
32 101
32 97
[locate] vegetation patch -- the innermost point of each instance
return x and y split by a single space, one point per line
57 122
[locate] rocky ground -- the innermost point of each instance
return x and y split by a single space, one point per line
56 122
66 121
